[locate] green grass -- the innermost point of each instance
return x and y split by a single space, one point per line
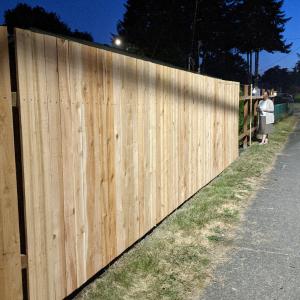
174 261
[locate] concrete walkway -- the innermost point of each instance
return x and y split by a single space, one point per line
265 261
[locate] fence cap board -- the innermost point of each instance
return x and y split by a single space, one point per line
243 98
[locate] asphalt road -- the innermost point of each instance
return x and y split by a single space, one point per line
265 261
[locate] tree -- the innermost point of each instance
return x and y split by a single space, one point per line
174 30
226 65
158 29
297 65
277 78
260 25
24 16
282 79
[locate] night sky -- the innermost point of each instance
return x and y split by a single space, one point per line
99 17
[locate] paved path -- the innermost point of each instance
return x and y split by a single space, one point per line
265 262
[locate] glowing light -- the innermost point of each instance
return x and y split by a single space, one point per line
118 42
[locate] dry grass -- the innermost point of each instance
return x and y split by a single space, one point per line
176 260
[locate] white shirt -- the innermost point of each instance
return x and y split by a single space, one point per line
263 107
269 106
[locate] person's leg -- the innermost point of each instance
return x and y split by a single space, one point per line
263 139
267 139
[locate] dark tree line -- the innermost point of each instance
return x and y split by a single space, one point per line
219 37
215 35
26 17
283 79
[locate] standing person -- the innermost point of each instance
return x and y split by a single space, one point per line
266 117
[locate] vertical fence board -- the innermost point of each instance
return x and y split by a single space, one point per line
10 256
25 87
41 156
66 109
118 83
55 205
111 156
153 141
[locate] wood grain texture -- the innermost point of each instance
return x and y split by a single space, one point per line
111 146
10 256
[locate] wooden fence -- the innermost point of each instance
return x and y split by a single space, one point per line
250 115
111 145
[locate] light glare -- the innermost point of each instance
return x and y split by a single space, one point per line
118 42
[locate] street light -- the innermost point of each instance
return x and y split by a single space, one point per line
118 42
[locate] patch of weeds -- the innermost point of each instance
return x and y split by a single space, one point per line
217 234
230 215
218 230
215 238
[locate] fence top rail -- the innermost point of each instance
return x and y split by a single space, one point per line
242 98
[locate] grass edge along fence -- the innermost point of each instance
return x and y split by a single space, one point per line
111 145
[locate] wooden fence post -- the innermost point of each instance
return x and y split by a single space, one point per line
10 257
251 112
246 112
255 121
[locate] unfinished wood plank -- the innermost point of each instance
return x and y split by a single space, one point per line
159 142
41 153
175 129
91 198
56 205
146 117
194 135
66 108
10 259
165 144
103 157
118 63
128 168
25 88
152 145
181 139
111 155
186 137
77 112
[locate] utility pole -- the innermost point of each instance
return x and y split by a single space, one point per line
256 68
250 74
199 56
